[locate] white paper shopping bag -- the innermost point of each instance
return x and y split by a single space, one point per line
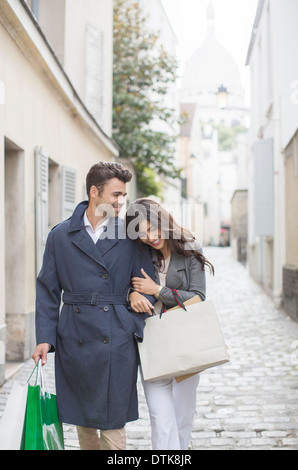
182 342
12 422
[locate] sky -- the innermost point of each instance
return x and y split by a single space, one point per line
233 26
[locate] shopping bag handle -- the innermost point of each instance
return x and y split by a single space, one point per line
43 382
36 365
179 302
40 373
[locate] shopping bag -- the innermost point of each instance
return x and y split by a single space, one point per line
184 341
12 422
42 429
194 300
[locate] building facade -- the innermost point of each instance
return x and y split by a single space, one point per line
55 123
273 191
213 171
158 21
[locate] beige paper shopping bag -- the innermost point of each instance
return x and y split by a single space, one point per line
182 342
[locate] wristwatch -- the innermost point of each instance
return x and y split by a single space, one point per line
158 292
130 291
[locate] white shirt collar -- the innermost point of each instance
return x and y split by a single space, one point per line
100 226
95 234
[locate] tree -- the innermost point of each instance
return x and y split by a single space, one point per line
142 73
227 136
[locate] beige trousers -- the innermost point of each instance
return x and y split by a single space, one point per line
113 439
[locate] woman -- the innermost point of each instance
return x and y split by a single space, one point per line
179 265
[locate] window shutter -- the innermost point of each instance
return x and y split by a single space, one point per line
41 204
69 191
94 88
264 188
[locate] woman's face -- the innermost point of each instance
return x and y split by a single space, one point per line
152 235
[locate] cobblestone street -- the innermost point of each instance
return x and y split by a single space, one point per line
250 403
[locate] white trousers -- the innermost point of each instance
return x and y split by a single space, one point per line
171 407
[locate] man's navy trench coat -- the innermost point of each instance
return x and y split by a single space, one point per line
95 336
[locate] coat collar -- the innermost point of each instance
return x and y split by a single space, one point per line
77 218
83 241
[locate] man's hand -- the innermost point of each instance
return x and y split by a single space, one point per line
140 304
41 352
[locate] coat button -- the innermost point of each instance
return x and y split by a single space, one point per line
80 342
105 276
106 309
78 310
106 340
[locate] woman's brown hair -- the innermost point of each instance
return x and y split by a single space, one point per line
179 239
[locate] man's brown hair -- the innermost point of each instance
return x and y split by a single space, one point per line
100 173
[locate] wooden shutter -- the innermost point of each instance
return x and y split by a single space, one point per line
69 191
41 204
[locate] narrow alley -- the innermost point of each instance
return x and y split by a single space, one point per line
250 403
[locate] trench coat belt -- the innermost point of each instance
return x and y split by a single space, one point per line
94 298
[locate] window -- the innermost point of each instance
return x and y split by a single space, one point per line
94 82
41 204
55 198
69 186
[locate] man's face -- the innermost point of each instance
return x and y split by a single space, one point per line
112 199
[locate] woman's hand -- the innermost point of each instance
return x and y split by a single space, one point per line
140 304
145 285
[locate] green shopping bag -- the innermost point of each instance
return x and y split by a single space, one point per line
42 429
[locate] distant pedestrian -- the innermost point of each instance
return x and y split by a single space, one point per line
94 338
180 265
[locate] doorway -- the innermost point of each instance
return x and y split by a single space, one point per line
14 252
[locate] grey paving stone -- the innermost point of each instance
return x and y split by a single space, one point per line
250 403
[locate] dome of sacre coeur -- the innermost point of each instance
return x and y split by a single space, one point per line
210 67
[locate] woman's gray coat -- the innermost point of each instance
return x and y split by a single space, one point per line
95 336
185 274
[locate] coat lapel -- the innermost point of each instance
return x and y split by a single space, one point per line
80 237
109 238
177 263
84 242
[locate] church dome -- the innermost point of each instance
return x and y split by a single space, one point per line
210 67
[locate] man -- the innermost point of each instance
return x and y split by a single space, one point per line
95 337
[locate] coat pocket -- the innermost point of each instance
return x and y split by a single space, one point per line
62 320
127 319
